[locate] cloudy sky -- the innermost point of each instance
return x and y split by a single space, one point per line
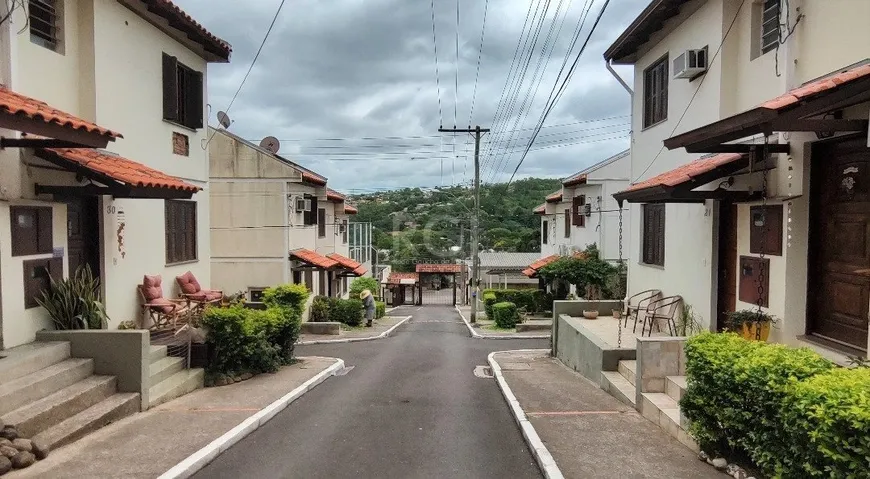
363 72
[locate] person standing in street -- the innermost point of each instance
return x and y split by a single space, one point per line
369 303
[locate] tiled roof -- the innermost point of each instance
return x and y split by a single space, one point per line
314 259
540 209
554 197
439 268
816 87
350 210
312 177
348 263
541 262
503 261
396 278
333 195
686 172
18 104
530 272
181 20
117 168
575 180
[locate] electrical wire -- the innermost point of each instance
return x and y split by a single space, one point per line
477 74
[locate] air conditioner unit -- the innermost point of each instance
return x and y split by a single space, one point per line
587 210
303 205
690 63
342 228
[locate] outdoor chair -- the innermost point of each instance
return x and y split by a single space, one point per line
637 303
163 312
664 308
195 294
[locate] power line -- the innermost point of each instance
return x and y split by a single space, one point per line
435 49
477 75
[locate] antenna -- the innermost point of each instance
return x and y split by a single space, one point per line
271 143
224 119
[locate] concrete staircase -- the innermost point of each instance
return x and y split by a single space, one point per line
169 378
662 408
57 399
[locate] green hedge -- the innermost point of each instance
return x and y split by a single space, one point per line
240 338
346 311
788 410
489 299
358 285
319 309
380 309
505 314
532 300
291 296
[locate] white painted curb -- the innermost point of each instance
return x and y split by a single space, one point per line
539 450
356 340
202 457
476 335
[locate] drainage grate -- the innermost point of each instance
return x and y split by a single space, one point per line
484 372
344 371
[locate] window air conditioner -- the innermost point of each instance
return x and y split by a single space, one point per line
303 205
690 63
587 209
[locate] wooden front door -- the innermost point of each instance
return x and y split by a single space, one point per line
83 234
727 286
839 250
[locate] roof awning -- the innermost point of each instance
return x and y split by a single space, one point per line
532 270
313 260
791 112
56 128
354 268
403 278
117 176
576 180
540 209
678 185
350 210
554 197
445 268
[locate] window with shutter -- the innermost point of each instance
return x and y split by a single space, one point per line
45 18
344 231
545 230
31 228
180 231
655 92
321 222
581 220
653 246
182 93
567 223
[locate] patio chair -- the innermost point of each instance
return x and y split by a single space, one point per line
664 308
637 303
195 294
163 312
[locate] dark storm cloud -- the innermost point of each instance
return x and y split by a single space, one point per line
365 68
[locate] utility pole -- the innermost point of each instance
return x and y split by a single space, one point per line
475 219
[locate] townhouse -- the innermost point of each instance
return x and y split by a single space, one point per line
104 160
749 162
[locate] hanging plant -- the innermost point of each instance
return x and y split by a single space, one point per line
751 324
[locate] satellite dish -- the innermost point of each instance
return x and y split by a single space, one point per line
271 143
224 119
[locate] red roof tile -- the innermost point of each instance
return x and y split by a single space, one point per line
540 209
543 262
312 177
184 22
348 263
360 271
686 172
313 258
530 272
554 197
396 278
816 87
439 268
350 210
575 180
333 195
17 104
117 168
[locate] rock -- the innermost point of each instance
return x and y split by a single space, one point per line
8 451
702 456
5 465
9 432
40 449
719 463
221 381
23 459
246 376
237 379
209 382
5 442
2 424
22 445
739 474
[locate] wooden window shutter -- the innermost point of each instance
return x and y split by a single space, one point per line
344 234
193 99
575 205
582 215
567 223
45 243
170 88
321 222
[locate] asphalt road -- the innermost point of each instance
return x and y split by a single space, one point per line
411 407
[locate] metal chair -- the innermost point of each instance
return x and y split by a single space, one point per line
642 301
664 308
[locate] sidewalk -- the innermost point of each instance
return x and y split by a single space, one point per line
380 328
484 328
149 444
588 432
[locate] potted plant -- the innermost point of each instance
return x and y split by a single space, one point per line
752 325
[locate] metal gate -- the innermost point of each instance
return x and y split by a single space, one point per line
438 288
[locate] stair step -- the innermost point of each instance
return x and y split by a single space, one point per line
177 385
157 352
39 384
619 387
54 408
675 386
29 358
165 367
628 370
111 409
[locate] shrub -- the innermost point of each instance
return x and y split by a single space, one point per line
380 309
240 343
75 302
319 309
346 311
737 395
362 283
280 327
291 296
827 422
506 315
531 300
489 299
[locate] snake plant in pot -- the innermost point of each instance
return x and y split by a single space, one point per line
75 302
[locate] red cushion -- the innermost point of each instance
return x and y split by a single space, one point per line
167 306
152 288
188 283
206 295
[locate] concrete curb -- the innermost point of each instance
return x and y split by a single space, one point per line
545 460
355 340
476 335
201 458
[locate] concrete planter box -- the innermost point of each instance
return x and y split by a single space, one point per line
325 327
